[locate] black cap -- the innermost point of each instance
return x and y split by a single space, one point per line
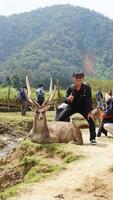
80 74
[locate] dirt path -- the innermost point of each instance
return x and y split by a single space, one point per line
98 158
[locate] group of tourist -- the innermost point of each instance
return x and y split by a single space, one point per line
22 97
79 100
106 105
103 101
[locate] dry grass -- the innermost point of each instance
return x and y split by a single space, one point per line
96 188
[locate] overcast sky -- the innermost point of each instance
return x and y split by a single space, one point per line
8 7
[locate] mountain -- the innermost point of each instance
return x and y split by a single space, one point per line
55 41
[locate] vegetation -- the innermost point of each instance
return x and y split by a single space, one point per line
105 85
55 41
31 162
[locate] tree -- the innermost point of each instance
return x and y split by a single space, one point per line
16 81
7 81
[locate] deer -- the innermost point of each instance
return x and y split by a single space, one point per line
50 132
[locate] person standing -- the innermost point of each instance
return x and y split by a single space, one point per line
108 97
79 100
99 99
107 120
22 99
40 94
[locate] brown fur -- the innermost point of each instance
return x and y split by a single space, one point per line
55 132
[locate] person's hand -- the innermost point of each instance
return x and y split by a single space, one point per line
70 98
90 115
101 115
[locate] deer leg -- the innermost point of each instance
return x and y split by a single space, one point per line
76 142
52 140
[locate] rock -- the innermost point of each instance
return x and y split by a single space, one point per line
2 144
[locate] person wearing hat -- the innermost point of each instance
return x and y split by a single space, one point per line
79 100
40 94
22 98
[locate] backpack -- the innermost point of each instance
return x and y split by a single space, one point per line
99 96
21 95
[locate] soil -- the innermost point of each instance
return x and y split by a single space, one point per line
89 178
11 135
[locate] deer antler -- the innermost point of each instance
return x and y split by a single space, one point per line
51 93
45 103
30 100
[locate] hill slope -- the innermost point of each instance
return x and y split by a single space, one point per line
56 41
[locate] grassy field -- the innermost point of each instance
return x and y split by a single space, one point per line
14 92
4 94
17 117
31 162
105 85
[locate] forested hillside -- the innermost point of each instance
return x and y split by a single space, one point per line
55 41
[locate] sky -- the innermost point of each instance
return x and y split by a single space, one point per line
9 7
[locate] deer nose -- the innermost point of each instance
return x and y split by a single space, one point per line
40 116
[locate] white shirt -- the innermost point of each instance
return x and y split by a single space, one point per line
107 97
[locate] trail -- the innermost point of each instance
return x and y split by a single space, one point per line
98 158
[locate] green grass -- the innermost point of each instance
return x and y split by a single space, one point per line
105 85
4 94
57 149
10 192
14 92
37 162
15 117
42 170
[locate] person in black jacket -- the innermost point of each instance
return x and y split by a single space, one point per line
79 100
